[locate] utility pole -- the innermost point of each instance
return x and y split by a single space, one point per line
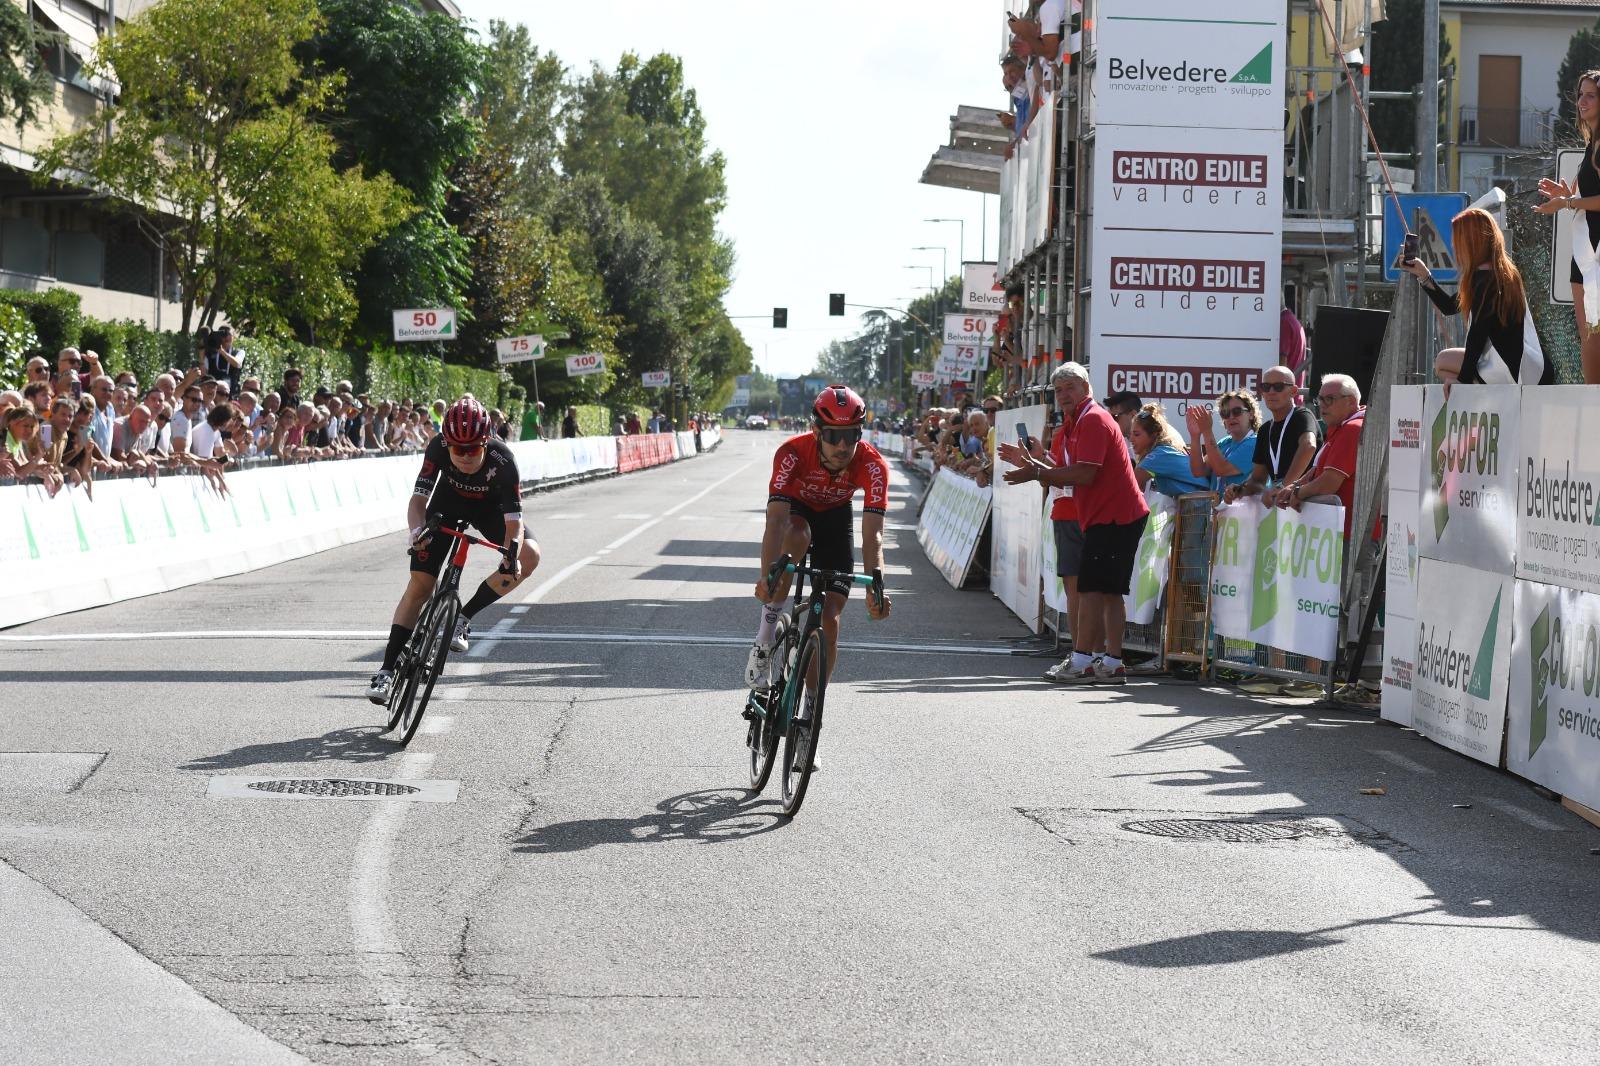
1428 102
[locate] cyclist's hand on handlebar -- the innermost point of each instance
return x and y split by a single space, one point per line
878 607
420 535
510 563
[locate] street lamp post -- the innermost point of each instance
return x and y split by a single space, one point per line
943 252
963 224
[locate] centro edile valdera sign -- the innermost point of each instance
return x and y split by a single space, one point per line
1469 493
1186 268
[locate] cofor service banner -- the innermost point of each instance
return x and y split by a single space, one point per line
1463 658
1201 66
1275 576
1154 561
1553 723
952 520
1469 489
1558 502
1055 590
1400 588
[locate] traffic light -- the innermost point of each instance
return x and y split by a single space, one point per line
836 304
780 318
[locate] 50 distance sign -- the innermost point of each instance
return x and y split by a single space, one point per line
969 330
425 324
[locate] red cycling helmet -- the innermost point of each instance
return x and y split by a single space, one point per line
466 423
838 405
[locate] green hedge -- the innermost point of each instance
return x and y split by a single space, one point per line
17 339
57 318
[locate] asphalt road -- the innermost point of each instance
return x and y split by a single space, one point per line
977 875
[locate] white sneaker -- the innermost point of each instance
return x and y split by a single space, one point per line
378 689
1059 670
758 667
458 643
1084 675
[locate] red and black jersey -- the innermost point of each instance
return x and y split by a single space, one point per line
798 477
495 484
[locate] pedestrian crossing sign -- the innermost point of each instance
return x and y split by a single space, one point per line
1427 215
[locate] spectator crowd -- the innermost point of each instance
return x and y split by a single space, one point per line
73 423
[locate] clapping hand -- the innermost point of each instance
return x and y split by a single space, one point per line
1198 419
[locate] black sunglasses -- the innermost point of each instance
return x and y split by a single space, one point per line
1274 386
840 435
1232 412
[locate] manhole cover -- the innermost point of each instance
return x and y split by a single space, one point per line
332 787
1227 832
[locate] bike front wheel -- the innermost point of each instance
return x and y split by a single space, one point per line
805 721
763 735
403 686
434 649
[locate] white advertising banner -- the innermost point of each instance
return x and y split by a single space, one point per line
923 379
657 379
1558 506
951 524
1155 560
964 357
1015 549
1178 63
1469 491
1275 576
1463 658
969 329
1055 589
590 363
1400 581
1553 723
980 290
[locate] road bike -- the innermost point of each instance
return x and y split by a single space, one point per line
790 707
421 661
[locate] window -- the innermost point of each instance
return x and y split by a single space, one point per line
80 258
24 247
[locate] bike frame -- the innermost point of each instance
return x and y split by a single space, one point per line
815 600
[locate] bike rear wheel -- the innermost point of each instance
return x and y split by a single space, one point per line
435 648
805 725
763 736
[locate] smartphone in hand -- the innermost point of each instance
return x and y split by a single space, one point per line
1022 436
1410 248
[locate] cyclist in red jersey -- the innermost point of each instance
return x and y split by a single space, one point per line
814 478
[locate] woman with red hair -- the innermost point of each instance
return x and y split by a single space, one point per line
1502 346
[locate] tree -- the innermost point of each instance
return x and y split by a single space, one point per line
519 107
212 141
410 80
1397 67
25 81
1583 55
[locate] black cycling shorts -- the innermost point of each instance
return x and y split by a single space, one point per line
833 541
488 521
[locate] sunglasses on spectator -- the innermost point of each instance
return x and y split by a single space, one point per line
991 411
837 435
465 451
1274 386
1233 412
1328 397
195 396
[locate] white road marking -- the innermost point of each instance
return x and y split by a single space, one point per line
669 512
520 608
1400 760
453 693
1526 817
633 517
466 670
566 517
371 923
435 725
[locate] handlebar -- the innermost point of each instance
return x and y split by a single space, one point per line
873 582
437 526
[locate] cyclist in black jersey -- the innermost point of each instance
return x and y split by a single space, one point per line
468 477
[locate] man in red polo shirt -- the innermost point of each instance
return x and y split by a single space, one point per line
1112 512
1333 470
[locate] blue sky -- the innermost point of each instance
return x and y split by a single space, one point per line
827 113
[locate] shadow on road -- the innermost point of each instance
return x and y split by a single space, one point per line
708 816
358 745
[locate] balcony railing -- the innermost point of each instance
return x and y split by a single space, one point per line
1507 127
